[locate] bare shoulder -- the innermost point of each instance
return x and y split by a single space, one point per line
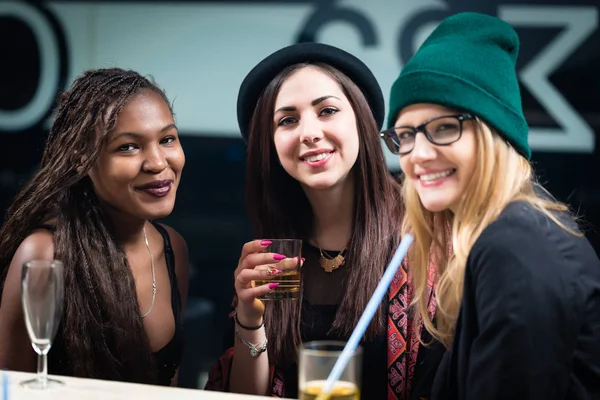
180 249
179 245
39 245
177 241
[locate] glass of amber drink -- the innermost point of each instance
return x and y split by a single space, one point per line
315 362
289 278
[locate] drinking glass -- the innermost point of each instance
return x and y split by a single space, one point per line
316 360
42 292
289 280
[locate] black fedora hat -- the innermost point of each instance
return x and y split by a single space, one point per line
260 76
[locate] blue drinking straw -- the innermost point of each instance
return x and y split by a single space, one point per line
4 385
368 314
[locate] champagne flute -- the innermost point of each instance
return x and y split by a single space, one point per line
42 292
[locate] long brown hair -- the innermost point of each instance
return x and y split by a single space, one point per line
279 208
101 329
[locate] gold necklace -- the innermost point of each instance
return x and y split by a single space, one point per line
153 276
329 263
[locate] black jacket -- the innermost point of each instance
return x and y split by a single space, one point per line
529 323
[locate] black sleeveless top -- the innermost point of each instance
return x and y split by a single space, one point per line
168 358
321 297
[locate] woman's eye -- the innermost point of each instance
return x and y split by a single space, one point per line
127 147
328 111
286 121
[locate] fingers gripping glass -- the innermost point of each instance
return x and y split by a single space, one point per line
440 131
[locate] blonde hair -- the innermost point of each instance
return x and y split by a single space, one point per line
501 176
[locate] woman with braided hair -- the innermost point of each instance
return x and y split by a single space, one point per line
111 165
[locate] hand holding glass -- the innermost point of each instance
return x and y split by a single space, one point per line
42 292
289 279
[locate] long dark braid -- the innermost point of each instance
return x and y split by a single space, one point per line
102 329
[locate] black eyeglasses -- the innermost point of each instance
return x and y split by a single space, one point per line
440 131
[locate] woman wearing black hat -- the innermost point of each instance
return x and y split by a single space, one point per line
310 114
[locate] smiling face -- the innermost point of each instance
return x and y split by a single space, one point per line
138 171
315 132
440 174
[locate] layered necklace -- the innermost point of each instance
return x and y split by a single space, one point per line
331 263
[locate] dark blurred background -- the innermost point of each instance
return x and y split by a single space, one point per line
199 52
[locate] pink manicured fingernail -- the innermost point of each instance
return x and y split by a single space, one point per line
265 243
303 259
273 285
278 257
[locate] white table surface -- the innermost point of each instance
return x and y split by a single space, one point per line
89 389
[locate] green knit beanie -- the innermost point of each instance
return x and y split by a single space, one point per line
467 63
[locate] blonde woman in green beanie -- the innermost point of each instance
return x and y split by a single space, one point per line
519 295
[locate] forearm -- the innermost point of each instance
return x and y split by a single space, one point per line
17 355
175 380
249 374
16 352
